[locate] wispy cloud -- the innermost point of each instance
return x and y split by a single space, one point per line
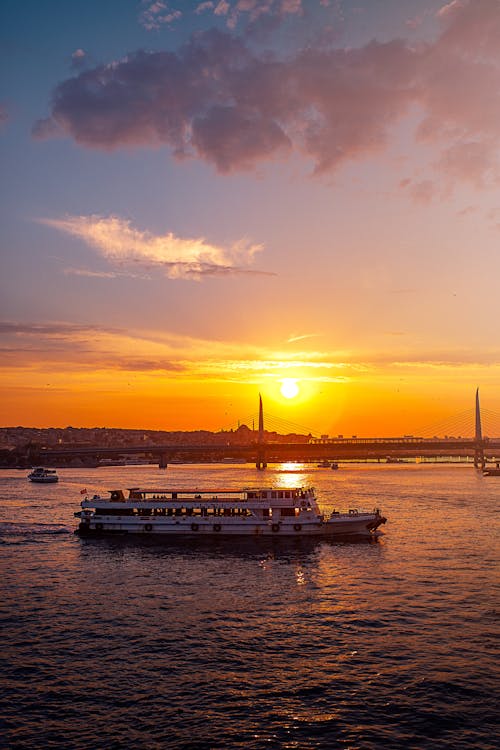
301 337
251 11
91 274
178 257
70 271
79 58
157 14
51 329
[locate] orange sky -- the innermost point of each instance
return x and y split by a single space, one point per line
107 379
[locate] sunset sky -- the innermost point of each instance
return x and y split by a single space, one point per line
201 200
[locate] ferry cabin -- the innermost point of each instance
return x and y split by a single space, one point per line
167 511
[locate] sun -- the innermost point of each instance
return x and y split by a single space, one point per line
289 388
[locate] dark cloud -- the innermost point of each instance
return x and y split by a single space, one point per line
218 100
228 136
51 329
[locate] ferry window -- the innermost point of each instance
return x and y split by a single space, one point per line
287 494
266 512
288 511
264 495
178 511
280 495
273 494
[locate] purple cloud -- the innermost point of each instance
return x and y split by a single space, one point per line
218 100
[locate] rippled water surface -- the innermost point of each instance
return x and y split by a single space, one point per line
121 644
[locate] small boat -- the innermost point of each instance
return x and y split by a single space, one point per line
323 465
269 512
492 471
43 476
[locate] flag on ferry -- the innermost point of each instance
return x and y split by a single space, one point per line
83 492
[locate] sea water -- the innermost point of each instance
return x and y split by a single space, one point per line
229 644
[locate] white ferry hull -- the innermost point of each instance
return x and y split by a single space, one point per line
359 526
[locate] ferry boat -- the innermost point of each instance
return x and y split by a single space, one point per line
269 512
43 476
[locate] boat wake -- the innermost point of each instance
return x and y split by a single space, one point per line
12 533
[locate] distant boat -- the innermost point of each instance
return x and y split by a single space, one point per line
492 471
335 465
43 476
323 465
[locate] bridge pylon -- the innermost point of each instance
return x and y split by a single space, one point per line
261 462
479 460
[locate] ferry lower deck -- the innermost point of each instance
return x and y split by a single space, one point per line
249 512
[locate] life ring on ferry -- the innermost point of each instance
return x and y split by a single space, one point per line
194 527
217 527
298 527
148 527
275 527
98 527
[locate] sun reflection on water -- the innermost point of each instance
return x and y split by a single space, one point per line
291 474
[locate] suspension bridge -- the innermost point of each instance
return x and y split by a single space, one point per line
469 435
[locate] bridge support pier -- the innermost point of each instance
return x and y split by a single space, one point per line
163 461
261 462
479 460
